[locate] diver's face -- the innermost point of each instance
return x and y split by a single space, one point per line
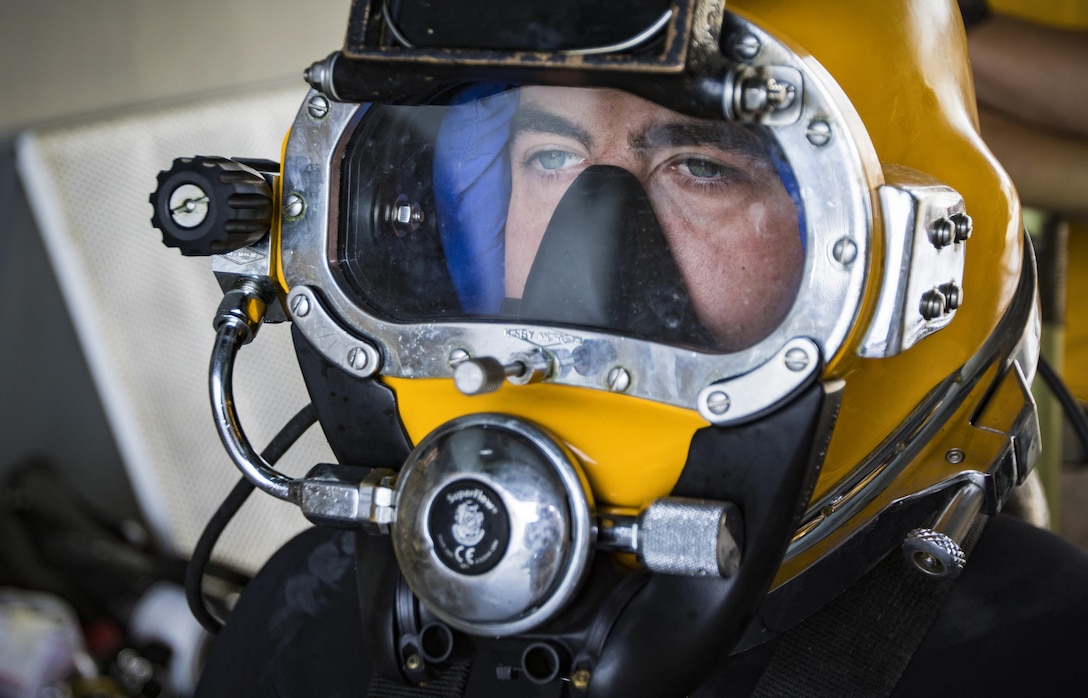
728 220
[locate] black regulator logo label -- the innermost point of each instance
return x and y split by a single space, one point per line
469 526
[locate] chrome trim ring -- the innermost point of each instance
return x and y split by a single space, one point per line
836 169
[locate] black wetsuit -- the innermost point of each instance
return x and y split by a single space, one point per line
1015 624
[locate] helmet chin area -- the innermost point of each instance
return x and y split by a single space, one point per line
494 524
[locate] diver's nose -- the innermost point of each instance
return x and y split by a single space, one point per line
604 262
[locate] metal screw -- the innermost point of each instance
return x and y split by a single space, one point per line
300 306
718 402
766 96
796 359
318 107
413 662
955 456
942 233
845 251
832 506
818 133
293 206
358 359
928 564
747 47
953 295
580 679
932 305
963 225
405 216
189 205
457 356
618 380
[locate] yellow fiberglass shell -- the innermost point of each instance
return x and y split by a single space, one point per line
632 450
275 233
904 68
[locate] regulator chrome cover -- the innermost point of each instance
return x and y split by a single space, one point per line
494 525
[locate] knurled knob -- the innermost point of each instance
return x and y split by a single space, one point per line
934 553
211 205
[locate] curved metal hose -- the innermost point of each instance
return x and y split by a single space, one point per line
231 334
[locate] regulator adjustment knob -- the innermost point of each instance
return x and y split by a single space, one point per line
211 205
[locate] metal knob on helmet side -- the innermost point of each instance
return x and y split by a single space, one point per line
212 205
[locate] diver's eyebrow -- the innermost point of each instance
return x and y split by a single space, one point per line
724 136
532 119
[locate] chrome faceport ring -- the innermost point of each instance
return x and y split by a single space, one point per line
494 526
820 136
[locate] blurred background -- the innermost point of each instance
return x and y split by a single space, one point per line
110 465
107 473
81 62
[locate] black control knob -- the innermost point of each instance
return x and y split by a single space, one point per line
211 205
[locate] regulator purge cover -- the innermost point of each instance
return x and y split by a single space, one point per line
469 526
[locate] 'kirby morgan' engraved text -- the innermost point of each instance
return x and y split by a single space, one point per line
543 338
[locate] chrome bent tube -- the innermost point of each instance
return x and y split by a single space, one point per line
230 336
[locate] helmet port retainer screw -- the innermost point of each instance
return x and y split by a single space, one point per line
747 47
318 107
618 379
293 206
718 402
845 251
818 132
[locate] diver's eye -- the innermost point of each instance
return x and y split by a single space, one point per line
556 159
703 168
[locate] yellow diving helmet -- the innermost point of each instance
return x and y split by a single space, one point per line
629 334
